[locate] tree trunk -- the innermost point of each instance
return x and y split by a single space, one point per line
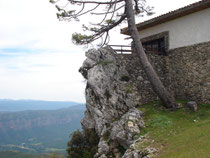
158 87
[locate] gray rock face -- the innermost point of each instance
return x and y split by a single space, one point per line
135 152
110 101
125 130
103 147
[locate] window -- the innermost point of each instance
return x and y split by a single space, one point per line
156 46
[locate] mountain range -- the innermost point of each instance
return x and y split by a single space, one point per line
44 130
21 105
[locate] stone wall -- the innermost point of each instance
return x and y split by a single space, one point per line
184 71
189 72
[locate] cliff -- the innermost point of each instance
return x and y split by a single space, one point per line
111 97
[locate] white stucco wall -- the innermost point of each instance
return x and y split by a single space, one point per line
188 30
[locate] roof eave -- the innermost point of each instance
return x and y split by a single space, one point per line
170 16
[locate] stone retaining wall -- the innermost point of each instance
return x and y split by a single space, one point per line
185 72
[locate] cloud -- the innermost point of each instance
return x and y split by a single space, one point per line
48 76
37 58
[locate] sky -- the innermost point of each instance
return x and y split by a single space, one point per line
38 60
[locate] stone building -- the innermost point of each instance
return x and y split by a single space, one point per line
178 45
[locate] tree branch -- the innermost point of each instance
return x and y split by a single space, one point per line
100 32
95 2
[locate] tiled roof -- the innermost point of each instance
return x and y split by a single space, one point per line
171 15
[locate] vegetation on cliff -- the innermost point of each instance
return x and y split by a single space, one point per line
83 144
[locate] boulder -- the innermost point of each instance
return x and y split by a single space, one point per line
192 105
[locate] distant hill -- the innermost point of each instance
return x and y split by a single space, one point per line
39 131
15 154
21 105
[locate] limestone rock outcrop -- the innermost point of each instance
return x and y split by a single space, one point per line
110 102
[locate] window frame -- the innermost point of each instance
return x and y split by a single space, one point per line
160 37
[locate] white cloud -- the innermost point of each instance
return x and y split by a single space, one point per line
47 76
47 67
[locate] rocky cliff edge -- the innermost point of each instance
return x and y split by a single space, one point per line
110 105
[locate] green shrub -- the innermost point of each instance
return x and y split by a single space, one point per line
105 62
83 144
125 78
106 135
129 88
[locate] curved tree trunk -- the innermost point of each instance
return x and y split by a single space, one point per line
158 87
